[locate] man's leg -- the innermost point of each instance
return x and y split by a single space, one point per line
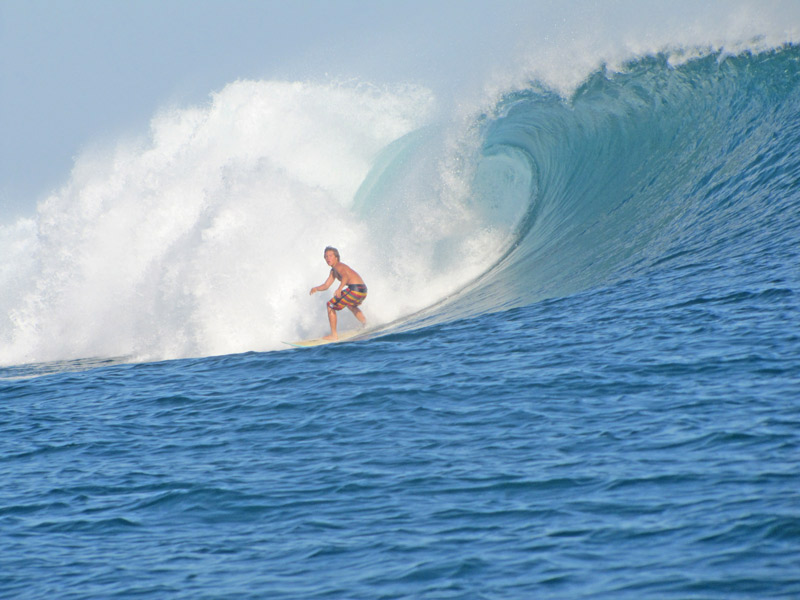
359 315
332 320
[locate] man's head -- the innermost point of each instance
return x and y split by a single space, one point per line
330 253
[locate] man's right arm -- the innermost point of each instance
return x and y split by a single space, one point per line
322 287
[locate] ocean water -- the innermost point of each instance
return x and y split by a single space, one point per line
581 378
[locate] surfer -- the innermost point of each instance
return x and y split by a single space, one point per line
350 293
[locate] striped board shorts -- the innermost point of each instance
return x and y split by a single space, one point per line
352 295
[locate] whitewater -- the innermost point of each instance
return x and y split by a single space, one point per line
581 373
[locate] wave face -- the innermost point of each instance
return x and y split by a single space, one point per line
657 166
205 237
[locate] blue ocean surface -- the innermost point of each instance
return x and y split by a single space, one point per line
610 409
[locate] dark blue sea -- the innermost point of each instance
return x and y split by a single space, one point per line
606 407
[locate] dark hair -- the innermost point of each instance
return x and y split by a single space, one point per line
332 249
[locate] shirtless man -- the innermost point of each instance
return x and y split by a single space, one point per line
351 291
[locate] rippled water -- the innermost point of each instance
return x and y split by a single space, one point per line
627 442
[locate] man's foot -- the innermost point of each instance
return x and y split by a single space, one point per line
332 337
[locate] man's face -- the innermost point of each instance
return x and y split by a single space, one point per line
330 258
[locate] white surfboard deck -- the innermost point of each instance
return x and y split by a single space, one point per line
346 335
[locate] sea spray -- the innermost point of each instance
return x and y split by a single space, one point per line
205 237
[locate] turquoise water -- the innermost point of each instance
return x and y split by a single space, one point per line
610 410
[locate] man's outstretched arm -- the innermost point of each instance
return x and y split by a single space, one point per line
322 287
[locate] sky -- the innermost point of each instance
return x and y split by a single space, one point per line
78 71
77 74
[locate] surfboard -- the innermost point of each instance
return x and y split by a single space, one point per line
346 335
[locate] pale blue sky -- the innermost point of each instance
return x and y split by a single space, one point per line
81 72
76 73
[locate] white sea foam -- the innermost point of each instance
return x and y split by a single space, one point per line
205 237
